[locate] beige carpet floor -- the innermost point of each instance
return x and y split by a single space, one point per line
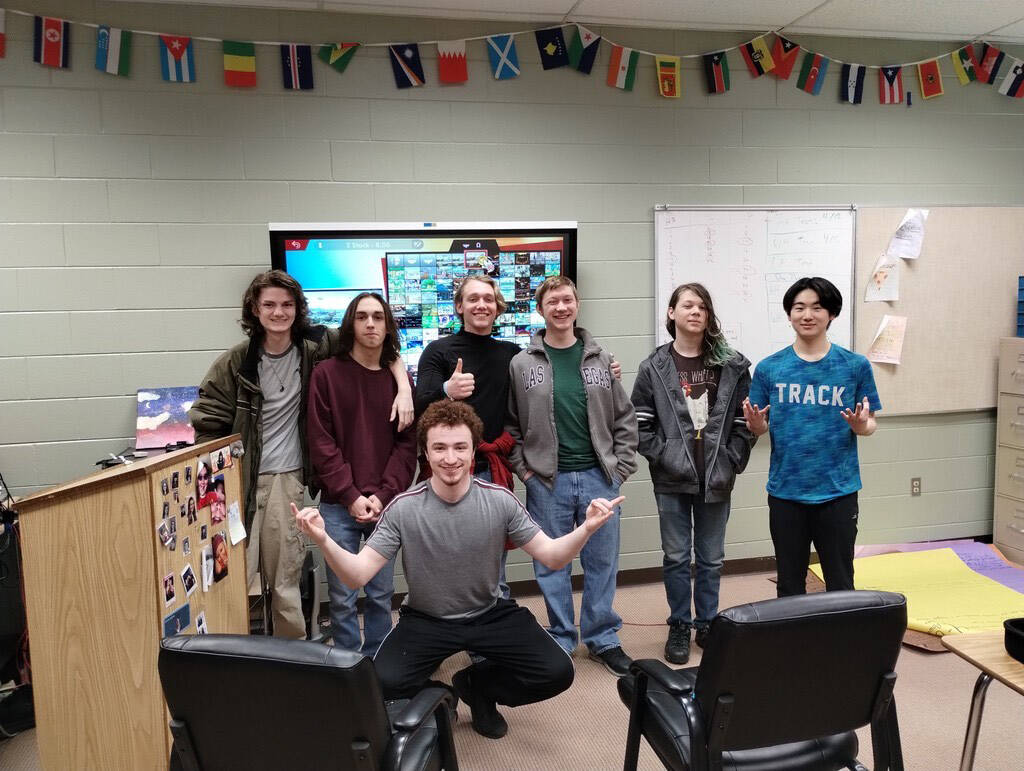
584 729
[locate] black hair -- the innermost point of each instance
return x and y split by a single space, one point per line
829 296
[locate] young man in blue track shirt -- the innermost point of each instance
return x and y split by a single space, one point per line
815 398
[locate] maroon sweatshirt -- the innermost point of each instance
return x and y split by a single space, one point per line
354 448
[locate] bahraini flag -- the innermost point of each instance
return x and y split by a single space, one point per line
113 50
3 33
451 61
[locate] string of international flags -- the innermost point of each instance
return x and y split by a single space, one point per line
52 45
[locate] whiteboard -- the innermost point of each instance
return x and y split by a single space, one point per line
748 258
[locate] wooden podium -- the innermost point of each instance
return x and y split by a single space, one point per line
96 562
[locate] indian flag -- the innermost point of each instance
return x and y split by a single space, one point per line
622 68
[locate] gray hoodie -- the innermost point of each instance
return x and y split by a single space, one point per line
531 413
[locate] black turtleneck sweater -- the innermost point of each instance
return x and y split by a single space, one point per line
486 358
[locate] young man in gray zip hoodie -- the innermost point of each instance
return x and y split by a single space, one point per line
576 439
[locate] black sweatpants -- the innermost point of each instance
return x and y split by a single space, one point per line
832 528
523 662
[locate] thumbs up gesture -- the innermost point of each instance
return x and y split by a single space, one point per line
460 385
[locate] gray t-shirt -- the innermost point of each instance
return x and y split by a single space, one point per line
451 552
281 384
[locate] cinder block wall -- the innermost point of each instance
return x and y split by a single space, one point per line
133 212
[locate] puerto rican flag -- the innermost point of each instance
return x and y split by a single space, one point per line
176 62
890 85
51 43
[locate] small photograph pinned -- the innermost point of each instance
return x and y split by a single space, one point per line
172 526
163 531
177 498
178 621
219 543
191 515
218 506
169 594
174 480
204 487
235 527
202 533
188 580
201 623
166 510
188 474
221 459
181 511
206 566
186 546
164 487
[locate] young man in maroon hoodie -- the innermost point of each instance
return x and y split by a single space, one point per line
360 460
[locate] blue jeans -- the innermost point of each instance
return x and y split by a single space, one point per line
558 511
689 522
347 533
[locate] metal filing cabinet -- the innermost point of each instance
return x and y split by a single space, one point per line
1008 520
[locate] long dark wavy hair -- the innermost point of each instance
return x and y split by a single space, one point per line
389 350
250 320
715 349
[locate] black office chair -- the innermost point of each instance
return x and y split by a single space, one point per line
782 684
266 703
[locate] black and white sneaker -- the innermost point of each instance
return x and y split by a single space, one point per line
614 659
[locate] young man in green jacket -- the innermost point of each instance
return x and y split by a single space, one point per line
259 389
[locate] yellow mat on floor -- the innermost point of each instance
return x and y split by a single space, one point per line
944 596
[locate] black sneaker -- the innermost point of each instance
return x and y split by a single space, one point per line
487 721
702 634
614 659
677 649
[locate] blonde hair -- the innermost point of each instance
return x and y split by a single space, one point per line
483 278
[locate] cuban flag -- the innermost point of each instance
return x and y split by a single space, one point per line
297 67
176 61
51 42
501 50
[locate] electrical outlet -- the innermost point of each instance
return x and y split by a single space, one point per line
915 486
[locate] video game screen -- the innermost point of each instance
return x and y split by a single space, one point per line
418 269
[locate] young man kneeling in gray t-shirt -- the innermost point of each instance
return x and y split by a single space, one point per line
452 530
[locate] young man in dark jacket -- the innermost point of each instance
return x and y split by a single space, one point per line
689 397
259 389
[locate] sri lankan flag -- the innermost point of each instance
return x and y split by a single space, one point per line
757 56
239 64
668 75
337 55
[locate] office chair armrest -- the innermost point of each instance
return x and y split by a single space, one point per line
420 707
674 682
